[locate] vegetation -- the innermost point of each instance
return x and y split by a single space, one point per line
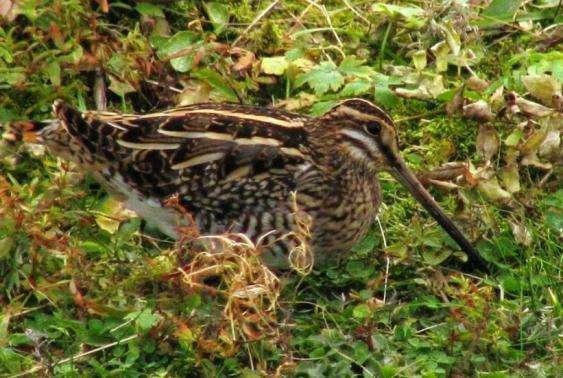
87 290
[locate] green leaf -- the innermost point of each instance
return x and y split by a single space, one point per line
53 71
510 178
120 88
17 339
440 51
367 244
413 16
6 55
554 220
93 248
178 48
118 64
110 213
358 269
4 323
321 107
499 12
354 67
149 10
453 38
218 14
217 82
127 229
555 199
435 256
361 352
514 138
382 94
321 79
419 60
144 319
294 53
12 76
6 245
275 65
554 213
551 62
493 191
361 311
74 56
356 88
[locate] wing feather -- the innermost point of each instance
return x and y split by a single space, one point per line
184 150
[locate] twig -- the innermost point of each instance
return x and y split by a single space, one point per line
255 21
429 328
323 10
299 18
355 11
480 279
173 89
345 356
298 21
100 89
37 368
27 310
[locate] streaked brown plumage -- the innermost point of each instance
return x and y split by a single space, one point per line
234 167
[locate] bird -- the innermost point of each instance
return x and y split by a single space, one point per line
244 169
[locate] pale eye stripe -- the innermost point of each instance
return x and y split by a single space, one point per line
200 159
148 145
362 138
384 119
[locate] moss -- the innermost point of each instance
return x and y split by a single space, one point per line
268 39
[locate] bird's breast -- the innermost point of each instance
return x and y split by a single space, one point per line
345 214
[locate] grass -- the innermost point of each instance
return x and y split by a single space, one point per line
86 289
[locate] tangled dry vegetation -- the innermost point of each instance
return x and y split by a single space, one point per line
475 87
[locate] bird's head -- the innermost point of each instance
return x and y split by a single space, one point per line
366 134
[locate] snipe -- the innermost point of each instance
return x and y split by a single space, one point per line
234 167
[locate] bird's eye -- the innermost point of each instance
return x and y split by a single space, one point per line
372 128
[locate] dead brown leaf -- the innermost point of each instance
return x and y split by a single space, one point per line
244 60
475 83
456 104
479 110
488 141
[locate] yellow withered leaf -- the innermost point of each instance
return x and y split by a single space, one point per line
111 213
542 86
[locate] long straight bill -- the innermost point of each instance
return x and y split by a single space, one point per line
401 172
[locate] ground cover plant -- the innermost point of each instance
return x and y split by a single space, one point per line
87 289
